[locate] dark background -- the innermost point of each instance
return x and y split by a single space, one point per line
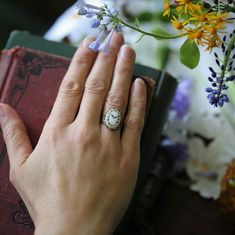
32 15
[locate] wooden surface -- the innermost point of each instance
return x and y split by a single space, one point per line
179 211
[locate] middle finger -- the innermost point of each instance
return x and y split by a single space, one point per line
98 83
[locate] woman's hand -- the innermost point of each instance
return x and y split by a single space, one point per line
80 177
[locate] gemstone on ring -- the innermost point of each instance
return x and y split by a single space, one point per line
112 119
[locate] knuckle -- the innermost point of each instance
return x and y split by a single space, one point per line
124 71
84 57
70 88
51 133
134 124
12 131
115 101
12 176
140 104
86 138
130 165
95 86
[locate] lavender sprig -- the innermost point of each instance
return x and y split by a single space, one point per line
219 80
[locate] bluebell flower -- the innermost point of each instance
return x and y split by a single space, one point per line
113 11
95 46
81 4
118 28
95 23
106 45
106 19
181 102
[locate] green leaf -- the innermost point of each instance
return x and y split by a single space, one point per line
162 34
146 16
189 54
137 22
231 93
140 38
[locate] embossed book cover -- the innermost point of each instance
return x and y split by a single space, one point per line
29 81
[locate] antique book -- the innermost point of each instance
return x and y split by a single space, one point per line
31 70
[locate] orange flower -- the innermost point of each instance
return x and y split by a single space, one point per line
213 30
187 6
220 18
227 196
179 25
198 35
211 45
201 17
167 7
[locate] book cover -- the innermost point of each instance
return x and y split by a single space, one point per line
29 81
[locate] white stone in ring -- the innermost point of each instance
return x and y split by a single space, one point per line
112 119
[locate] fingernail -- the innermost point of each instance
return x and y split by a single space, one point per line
2 112
117 39
138 85
127 52
87 41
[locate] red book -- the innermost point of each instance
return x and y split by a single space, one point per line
25 76
29 81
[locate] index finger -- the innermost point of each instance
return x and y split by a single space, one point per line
69 96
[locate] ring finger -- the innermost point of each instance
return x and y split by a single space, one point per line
118 94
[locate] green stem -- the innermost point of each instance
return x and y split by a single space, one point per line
227 56
225 8
227 114
230 9
155 35
226 59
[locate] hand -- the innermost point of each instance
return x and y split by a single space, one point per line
80 177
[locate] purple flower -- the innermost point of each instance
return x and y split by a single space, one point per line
113 11
96 44
95 23
104 18
178 153
82 11
118 28
81 4
90 13
106 45
219 80
181 102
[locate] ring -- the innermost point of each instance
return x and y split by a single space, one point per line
112 119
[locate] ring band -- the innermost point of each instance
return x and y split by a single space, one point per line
112 119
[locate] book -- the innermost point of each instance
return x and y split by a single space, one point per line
31 70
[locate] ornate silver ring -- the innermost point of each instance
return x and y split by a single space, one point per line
112 119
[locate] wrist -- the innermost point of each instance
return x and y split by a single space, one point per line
71 229
65 231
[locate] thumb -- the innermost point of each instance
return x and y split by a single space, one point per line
15 135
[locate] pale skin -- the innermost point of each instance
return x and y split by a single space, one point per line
80 177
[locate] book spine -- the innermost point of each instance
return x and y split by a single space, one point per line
6 63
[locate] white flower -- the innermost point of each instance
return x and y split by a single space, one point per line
176 129
206 120
72 26
206 167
